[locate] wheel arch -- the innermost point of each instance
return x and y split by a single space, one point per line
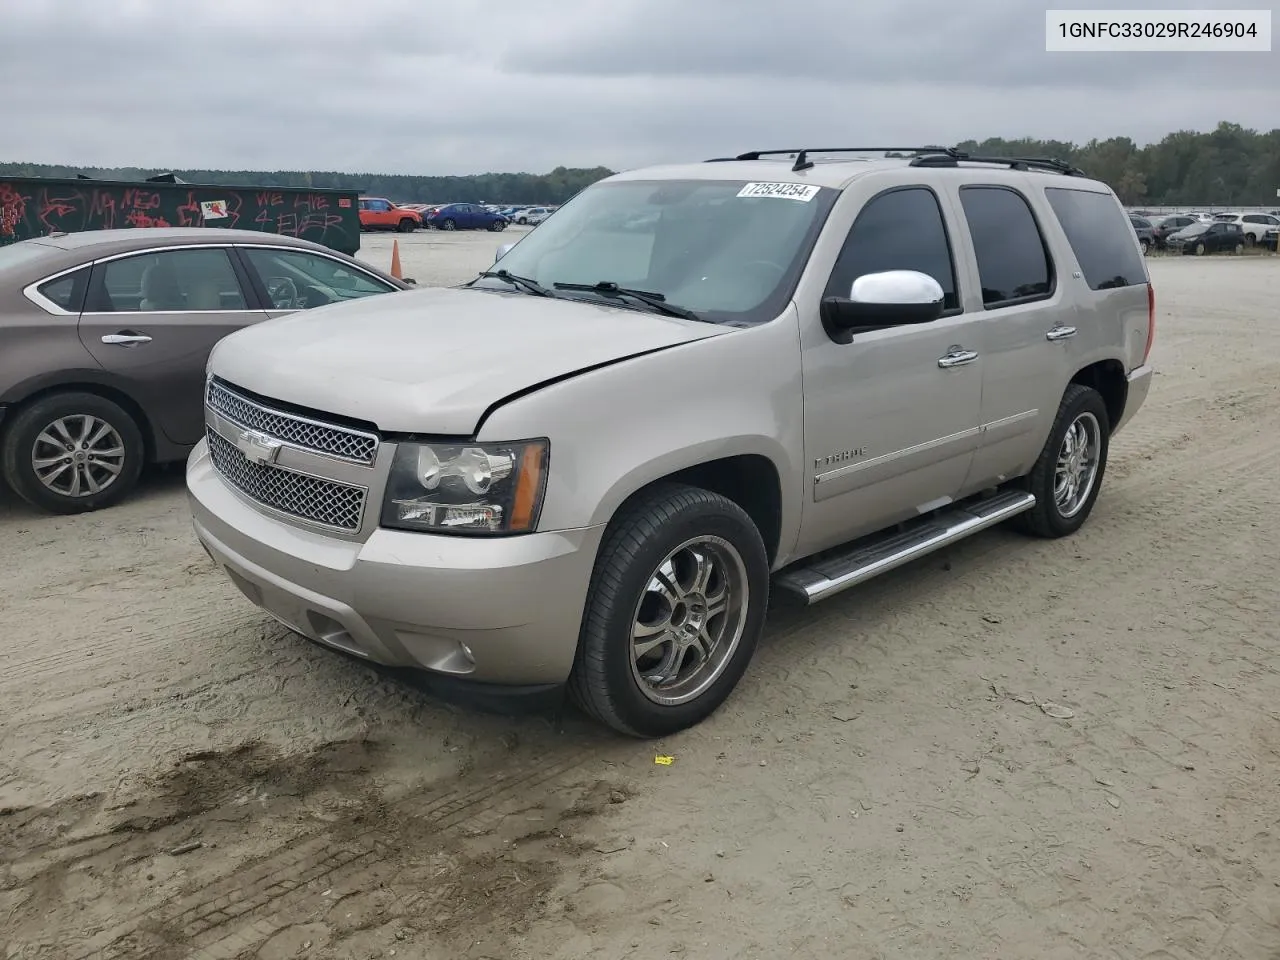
1108 378
37 391
751 480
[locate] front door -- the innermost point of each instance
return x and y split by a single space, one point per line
152 318
891 416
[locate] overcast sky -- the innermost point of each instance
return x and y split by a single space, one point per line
456 86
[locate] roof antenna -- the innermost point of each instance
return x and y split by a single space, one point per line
802 162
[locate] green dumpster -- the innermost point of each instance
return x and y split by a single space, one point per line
38 206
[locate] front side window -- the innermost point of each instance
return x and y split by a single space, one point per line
728 250
1013 263
898 230
169 281
1094 228
296 280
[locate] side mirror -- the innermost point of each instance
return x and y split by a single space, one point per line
502 251
888 299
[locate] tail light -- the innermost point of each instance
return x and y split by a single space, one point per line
1151 320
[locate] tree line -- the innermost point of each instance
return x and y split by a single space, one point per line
1230 165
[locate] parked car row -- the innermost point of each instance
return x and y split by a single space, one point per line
1201 233
379 213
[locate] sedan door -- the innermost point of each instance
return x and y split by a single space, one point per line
152 319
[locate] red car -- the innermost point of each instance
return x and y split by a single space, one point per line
377 213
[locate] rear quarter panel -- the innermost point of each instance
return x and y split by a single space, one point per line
616 429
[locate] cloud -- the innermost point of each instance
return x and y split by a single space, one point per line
470 86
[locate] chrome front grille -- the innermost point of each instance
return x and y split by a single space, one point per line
327 502
342 442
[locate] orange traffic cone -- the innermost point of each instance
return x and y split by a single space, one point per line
395 260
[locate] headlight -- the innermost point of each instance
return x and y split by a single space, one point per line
473 488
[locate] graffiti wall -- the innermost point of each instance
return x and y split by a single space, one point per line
36 207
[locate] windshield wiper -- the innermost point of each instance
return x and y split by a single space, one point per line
533 286
655 300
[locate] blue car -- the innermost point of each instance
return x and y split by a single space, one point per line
463 216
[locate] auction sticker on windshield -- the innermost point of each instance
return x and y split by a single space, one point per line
788 191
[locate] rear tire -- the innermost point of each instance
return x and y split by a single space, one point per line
447 225
107 451
1146 246
1063 504
698 634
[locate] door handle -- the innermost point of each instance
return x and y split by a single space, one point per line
1060 333
125 339
957 358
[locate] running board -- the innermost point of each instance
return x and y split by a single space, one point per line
820 579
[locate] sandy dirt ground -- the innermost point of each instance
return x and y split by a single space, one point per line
1014 749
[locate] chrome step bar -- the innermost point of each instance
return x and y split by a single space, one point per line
819 579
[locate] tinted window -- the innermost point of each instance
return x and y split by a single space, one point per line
1012 262
169 281
67 291
901 230
298 281
1093 225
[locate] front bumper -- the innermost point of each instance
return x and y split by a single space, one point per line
1139 386
499 610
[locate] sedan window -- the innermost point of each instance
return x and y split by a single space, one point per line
298 280
169 281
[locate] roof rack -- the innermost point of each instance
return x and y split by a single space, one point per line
804 163
953 158
924 157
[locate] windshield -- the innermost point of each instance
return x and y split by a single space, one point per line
728 250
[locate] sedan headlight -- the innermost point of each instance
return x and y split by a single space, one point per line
468 488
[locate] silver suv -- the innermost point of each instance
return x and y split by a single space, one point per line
691 386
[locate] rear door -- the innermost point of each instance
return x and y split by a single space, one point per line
152 318
1019 297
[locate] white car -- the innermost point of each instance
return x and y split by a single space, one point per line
532 216
1254 225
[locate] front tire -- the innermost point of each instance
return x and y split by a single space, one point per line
72 453
675 609
1145 245
407 225
1068 475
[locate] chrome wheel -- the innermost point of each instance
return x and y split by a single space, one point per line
689 620
1077 468
78 456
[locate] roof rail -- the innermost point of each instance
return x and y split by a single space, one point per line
953 158
802 153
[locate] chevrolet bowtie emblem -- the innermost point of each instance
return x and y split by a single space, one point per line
257 446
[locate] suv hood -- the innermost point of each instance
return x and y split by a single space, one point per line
434 360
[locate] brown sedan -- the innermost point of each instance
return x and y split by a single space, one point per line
104 336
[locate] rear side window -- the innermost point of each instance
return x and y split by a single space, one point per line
1013 263
67 291
899 230
1094 225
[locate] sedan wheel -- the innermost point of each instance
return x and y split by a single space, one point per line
72 453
